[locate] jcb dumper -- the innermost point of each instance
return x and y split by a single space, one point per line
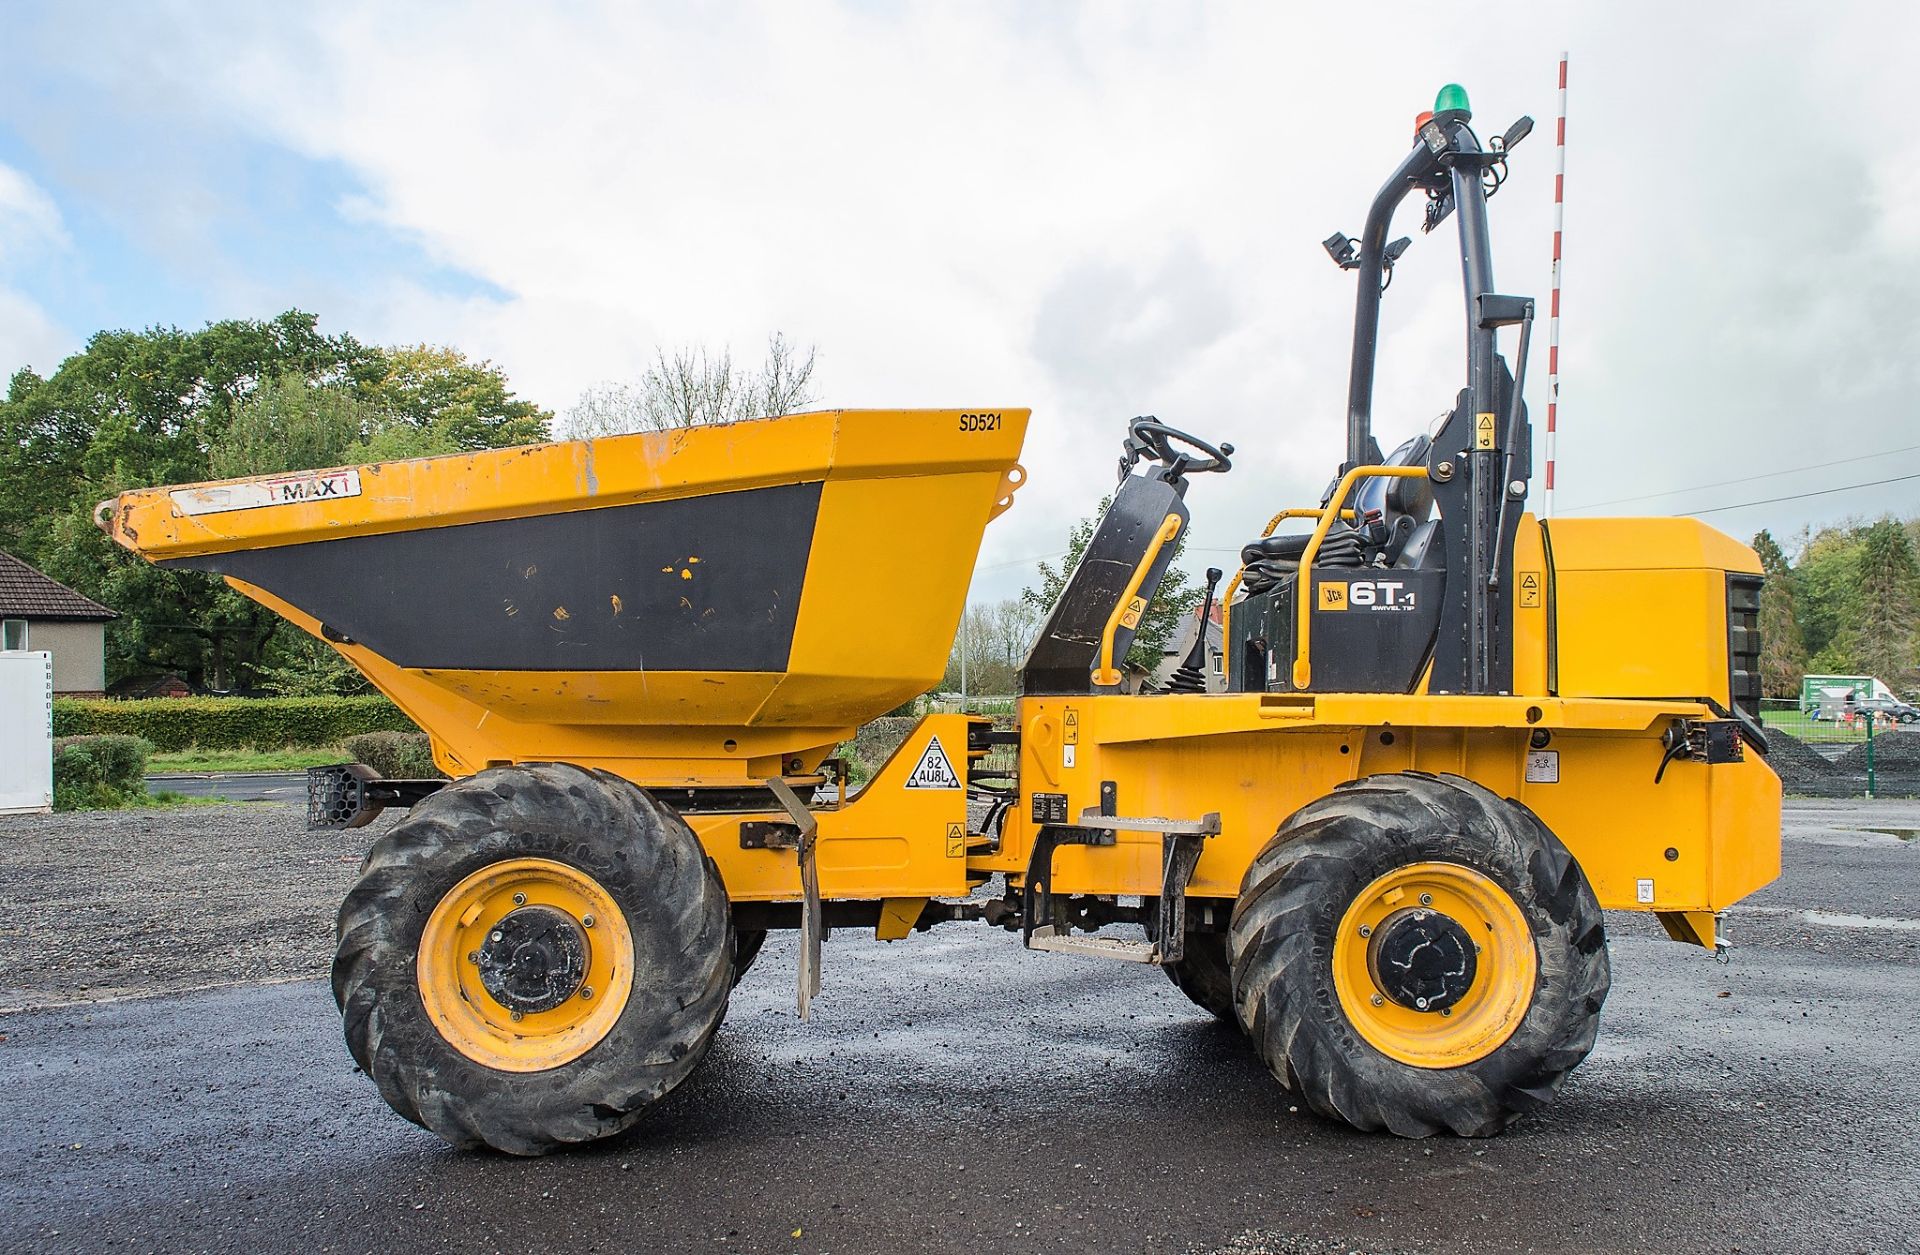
1447 736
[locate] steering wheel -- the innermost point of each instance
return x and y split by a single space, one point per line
1149 436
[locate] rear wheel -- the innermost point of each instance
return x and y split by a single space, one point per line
1412 953
531 957
746 948
1205 974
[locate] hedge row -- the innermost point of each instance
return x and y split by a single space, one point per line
395 755
178 723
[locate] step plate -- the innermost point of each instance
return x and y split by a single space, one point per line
1044 938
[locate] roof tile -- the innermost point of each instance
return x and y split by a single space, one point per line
27 594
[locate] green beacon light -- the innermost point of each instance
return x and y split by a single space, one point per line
1452 99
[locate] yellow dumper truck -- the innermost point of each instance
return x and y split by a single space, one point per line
1449 734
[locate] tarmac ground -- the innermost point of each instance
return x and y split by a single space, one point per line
172 1078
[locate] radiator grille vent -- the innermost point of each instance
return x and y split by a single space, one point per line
1743 642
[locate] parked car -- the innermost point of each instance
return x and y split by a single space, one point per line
1888 710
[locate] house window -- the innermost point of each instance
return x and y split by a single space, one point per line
13 633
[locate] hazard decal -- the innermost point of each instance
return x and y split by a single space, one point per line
934 770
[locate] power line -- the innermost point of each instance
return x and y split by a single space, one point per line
1800 496
1000 566
1745 479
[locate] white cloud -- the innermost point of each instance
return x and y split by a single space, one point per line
28 217
28 337
1101 211
30 225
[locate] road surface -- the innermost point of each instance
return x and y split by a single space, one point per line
953 1093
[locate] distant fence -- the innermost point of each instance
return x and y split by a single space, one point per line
1828 752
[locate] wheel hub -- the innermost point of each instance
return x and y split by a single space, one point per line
534 959
1422 959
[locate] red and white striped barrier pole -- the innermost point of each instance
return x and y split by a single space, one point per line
1553 321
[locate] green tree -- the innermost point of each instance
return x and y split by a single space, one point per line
290 424
1783 658
165 406
1886 600
994 637
1173 603
465 405
1824 576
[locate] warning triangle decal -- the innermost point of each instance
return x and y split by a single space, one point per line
934 770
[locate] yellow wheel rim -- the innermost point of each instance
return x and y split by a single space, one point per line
1505 965
475 915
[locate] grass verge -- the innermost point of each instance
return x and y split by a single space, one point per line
242 760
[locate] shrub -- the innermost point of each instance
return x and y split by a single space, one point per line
395 755
99 772
873 744
178 723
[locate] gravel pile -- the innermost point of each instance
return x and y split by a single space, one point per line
1801 768
104 904
1805 772
1896 763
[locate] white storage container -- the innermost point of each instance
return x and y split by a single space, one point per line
26 732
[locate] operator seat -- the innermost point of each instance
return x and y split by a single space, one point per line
1391 512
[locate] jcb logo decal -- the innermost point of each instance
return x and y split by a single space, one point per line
1368 595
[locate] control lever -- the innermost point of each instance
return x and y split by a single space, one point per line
1191 677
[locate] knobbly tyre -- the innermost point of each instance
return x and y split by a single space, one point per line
1448 735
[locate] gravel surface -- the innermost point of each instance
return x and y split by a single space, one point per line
952 1093
102 904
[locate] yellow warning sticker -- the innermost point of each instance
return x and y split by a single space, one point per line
1070 725
1529 590
1333 596
1135 608
956 840
1483 432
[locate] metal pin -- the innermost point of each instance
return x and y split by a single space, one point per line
1420 1003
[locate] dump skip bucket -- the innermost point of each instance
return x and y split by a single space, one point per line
700 605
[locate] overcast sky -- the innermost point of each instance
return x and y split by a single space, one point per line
1095 211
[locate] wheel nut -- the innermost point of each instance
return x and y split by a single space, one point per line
1446 1010
517 1017
1426 899
519 899
1366 930
586 991
1378 1001
1420 1003
473 956
586 921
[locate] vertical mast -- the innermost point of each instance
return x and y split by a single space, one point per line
1553 321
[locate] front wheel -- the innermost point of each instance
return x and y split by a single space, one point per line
1412 953
532 957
